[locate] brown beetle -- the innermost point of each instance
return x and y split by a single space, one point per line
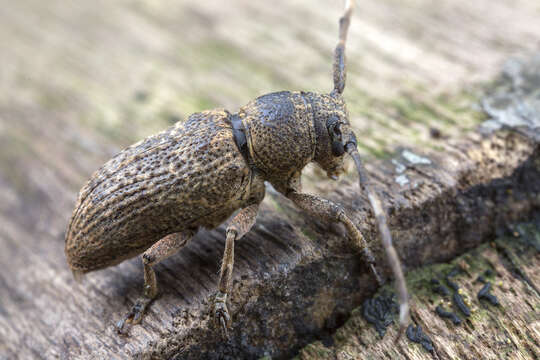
152 197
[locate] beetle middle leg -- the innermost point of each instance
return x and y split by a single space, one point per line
239 226
329 211
161 250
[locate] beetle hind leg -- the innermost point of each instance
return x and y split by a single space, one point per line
239 226
161 250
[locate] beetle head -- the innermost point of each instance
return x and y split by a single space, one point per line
334 133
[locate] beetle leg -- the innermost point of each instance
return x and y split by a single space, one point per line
161 250
329 211
238 227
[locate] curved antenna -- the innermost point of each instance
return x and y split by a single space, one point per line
380 216
340 69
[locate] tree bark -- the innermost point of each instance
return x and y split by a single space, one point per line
503 327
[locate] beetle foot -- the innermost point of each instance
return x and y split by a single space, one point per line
222 318
368 257
134 316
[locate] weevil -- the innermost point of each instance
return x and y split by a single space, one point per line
152 197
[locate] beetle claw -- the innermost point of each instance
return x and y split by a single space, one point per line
121 325
222 319
133 317
221 314
224 330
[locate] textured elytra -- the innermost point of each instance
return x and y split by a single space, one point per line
188 176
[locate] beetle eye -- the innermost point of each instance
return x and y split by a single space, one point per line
337 148
336 132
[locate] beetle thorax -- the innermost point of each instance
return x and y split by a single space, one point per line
287 130
280 133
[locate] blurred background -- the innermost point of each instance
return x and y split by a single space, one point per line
80 80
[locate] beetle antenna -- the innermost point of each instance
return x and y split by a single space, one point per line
380 216
340 69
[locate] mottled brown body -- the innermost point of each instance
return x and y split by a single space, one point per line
153 196
157 187
193 175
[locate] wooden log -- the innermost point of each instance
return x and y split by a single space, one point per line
502 324
82 79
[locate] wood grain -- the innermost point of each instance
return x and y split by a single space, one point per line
80 80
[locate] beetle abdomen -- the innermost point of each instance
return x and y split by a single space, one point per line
187 176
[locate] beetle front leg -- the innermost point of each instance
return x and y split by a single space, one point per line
161 250
329 211
239 226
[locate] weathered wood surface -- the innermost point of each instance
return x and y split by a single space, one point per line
79 80
509 330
